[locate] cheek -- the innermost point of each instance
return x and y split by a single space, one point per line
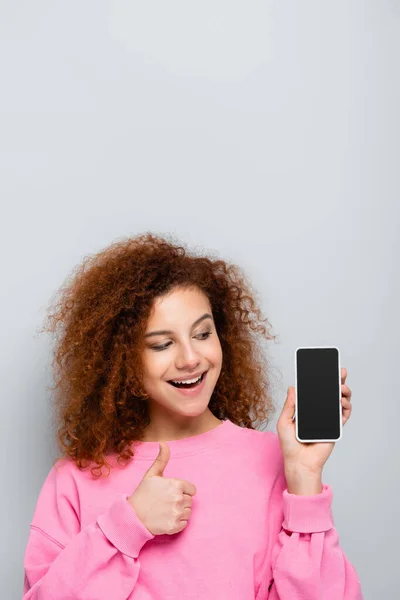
215 353
156 365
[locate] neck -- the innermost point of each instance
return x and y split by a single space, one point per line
162 430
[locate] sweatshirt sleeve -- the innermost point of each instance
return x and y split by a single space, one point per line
63 560
307 562
304 560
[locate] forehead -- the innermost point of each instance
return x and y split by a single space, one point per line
181 306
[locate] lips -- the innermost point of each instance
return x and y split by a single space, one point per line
191 390
188 378
188 385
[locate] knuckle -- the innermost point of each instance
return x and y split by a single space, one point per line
177 514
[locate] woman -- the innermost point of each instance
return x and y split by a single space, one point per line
165 489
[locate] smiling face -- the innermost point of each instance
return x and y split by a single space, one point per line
186 345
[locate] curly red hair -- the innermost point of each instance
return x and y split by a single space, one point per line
100 316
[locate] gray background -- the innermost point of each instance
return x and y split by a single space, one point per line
267 131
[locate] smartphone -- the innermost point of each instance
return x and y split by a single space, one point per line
318 413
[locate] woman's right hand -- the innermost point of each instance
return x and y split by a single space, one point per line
163 505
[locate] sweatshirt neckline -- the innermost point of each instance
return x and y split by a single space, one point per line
194 444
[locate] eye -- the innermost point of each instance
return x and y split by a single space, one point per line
160 347
206 333
164 346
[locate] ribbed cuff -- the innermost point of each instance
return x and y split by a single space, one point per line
308 514
121 525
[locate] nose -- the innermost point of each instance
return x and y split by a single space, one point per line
187 357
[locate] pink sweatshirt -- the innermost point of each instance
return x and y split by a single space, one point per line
247 538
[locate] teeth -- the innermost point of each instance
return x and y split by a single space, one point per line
187 381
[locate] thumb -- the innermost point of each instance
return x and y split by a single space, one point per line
161 461
290 404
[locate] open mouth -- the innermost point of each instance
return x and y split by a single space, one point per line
188 385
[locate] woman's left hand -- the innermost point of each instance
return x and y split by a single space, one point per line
307 458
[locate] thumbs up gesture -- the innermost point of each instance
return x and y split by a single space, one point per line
163 505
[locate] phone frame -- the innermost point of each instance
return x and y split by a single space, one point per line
340 394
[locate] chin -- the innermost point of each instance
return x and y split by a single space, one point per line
193 408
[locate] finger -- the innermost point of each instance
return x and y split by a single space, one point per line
289 406
346 413
346 403
346 391
343 374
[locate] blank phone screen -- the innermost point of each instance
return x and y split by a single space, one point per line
318 393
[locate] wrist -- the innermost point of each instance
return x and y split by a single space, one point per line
303 483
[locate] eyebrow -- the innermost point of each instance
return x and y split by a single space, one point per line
167 332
